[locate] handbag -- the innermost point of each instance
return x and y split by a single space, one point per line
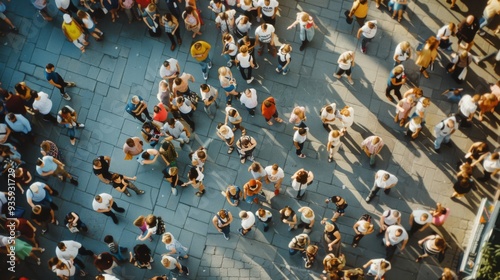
348 19
128 156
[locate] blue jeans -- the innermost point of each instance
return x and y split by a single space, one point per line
281 68
204 64
365 41
119 255
45 201
441 139
292 251
71 131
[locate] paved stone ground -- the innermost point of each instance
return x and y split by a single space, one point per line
127 63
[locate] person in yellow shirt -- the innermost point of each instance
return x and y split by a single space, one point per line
74 32
200 51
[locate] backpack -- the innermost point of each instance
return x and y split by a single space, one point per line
160 226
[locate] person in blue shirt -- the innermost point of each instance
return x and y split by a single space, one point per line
56 80
20 126
136 107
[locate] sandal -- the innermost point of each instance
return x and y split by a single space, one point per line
330 159
279 120
244 132
230 150
128 194
270 123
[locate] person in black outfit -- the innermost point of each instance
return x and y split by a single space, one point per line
467 30
101 169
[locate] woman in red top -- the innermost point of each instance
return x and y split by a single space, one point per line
24 228
269 111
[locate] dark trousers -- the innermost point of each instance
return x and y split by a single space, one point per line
172 39
357 238
414 228
111 213
48 117
225 230
60 80
396 89
299 150
390 251
375 190
145 113
173 7
187 118
269 20
365 41
246 73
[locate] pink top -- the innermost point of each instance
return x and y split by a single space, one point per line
295 119
372 148
439 220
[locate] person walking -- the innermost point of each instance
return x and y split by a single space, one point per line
383 180
397 78
90 25
100 167
388 218
43 216
299 138
247 222
186 109
171 263
245 63
222 222
41 194
103 203
264 38
123 183
284 59
209 95
427 55
192 20
403 109
200 51
228 83
328 113
251 190
490 11
69 250
56 80
378 267
171 25
331 237
491 165
466 31
372 146
49 165
362 227
345 62
195 177
42 105
340 204
234 117
419 221
333 144
359 9
459 65
443 36
366 33
402 53
443 131
74 223
249 100
394 235
431 245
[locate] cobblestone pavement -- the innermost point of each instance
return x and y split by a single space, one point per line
127 62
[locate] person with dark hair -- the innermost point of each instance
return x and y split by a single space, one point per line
222 222
21 127
378 267
133 146
341 205
69 250
49 165
122 183
67 116
175 130
439 214
298 243
288 216
301 180
148 156
56 80
42 216
394 235
431 245
246 145
247 222
274 174
65 269
103 203
151 132
114 247
186 108
299 138
491 165
74 223
141 257
195 177
43 106
171 24
105 262
192 21
100 166
137 107
13 103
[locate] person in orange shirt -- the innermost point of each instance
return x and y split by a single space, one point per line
160 113
200 51
269 111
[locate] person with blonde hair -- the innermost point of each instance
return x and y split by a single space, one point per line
378 267
228 83
362 227
148 227
90 25
487 103
306 219
347 117
307 26
334 143
233 195
427 55
372 146
443 35
431 245
403 109
171 263
246 63
346 62
331 237
225 21
151 18
227 135
402 53
397 78
284 59
298 116
310 255
201 52
174 247
459 66
414 126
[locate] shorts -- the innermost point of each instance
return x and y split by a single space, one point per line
341 209
2 16
230 88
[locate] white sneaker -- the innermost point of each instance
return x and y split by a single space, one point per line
205 75
66 97
250 80
174 191
81 125
229 64
210 65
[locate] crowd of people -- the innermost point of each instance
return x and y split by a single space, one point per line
172 120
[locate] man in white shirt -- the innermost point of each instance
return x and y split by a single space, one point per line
419 221
42 104
383 180
491 165
209 96
4 133
299 138
103 203
169 70
69 249
388 218
264 37
176 131
267 10
274 174
467 106
247 222
367 32
443 131
393 236
186 109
